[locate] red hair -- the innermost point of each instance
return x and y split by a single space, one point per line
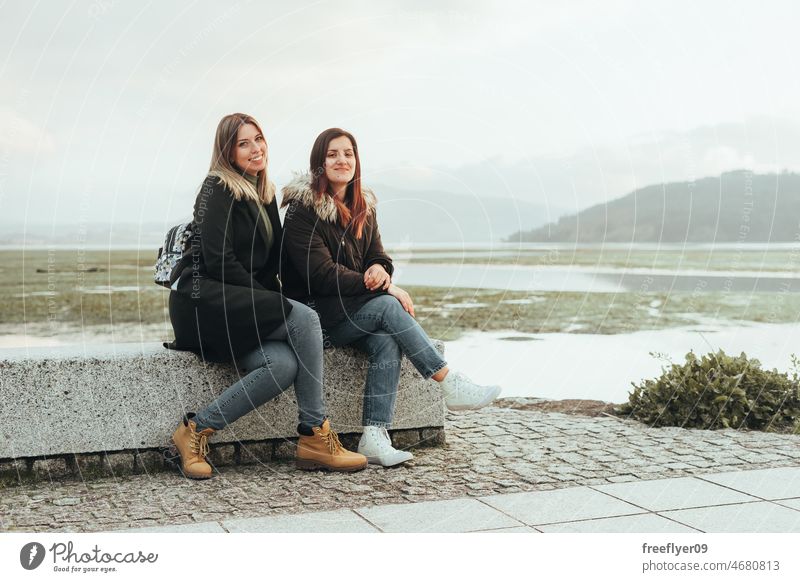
353 210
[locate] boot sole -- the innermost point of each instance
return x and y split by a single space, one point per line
172 459
377 461
197 477
308 465
482 404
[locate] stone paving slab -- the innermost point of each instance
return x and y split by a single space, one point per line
758 517
341 521
646 522
768 484
477 516
677 493
573 504
452 516
489 452
791 503
521 529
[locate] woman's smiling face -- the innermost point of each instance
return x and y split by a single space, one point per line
340 161
250 150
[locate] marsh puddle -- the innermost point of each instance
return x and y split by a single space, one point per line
602 367
585 280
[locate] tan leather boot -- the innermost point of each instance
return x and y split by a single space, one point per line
324 451
193 448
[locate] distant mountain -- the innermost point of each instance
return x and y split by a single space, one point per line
427 216
405 216
735 207
95 235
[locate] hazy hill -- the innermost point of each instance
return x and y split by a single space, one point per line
435 216
93 234
405 216
736 206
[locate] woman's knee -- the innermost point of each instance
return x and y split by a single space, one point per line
281 363
387 305
303 315
392 311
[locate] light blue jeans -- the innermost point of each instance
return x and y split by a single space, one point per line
292 354
385 331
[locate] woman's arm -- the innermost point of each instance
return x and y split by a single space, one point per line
312 258
403 297
212 219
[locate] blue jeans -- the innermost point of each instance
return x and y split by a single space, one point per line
292 354
385 331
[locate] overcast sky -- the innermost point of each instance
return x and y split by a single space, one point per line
108 108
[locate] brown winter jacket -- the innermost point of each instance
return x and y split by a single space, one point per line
322 263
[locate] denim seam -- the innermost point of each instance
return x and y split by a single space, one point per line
292 333
410 356
243 389
367 316
367 409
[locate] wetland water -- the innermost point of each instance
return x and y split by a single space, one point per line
733 299
601 367
589 280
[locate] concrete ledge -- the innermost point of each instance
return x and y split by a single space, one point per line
129 397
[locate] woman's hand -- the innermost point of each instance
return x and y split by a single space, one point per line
376 278
403 297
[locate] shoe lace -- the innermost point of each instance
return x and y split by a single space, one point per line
332 440
468 387
458 383
199 444
382 442
463 387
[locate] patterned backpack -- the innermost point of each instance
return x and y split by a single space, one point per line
172 255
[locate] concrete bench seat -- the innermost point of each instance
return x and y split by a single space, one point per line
85 402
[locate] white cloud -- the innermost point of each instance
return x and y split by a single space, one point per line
598 174
22 136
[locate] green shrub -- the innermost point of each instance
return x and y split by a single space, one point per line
718 391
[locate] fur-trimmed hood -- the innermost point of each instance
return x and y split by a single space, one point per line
299 190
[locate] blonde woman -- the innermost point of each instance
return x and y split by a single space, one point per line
227 307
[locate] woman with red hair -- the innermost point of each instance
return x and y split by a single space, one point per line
334 262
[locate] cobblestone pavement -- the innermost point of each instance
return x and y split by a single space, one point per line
495 450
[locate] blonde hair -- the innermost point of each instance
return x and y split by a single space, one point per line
223 169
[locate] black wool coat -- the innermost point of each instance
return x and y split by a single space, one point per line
322 263
228 295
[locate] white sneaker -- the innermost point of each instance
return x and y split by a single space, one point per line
461 393
376 445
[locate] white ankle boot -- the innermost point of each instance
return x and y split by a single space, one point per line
376 445
461 393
